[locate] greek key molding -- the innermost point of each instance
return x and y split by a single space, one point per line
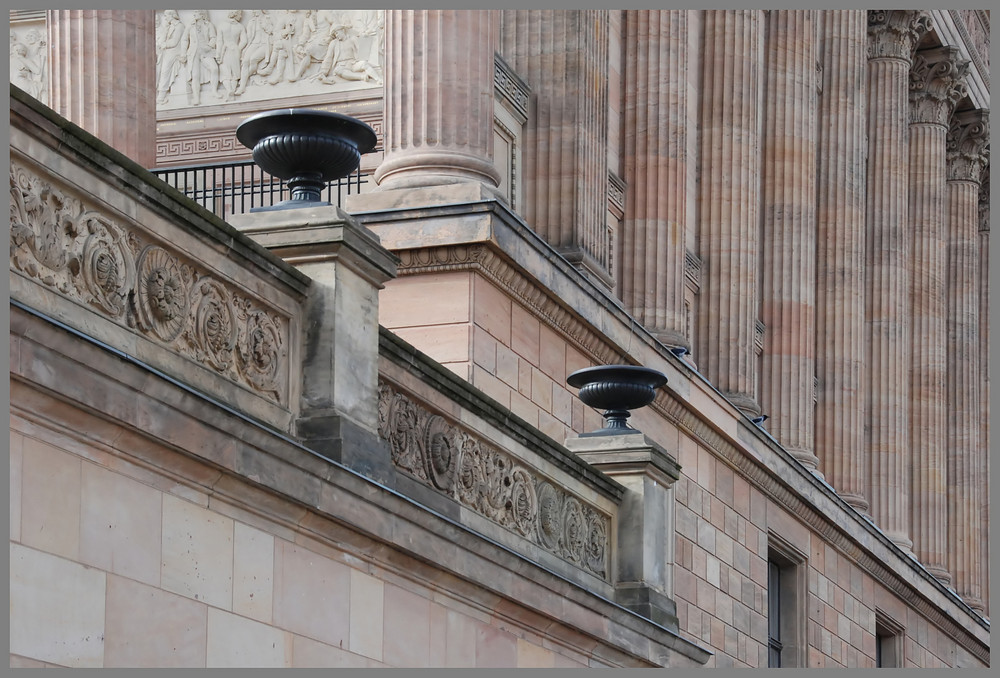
493 483
56 240
500 272
510 87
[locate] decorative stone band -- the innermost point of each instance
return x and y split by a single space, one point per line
510 86
115 270
493 483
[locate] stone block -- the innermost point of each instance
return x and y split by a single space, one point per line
406 638
238 642
491 310
197 550
367 615
495 648
311 595
253 572
57 609
443 343
120 523
50 499
16 465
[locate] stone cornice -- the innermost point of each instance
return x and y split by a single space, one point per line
974 50
968 146
937 84
893 33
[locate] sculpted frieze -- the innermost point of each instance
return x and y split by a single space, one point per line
29 54
142 285
216 56
894 33
492 483
937 84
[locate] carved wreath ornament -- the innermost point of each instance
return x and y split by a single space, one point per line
492 483
84 255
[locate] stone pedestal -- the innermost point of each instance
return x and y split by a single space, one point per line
348 266
645 549
840 253
103 76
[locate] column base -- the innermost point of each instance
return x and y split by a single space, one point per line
940 573
857 502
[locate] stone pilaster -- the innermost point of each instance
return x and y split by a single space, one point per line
968 137
657 170
103 76
788 247
892 34
840 254
565 143
439 71
728 203
936 85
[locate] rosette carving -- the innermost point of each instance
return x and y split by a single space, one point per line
162 293
107 266
260 351
214 329
492 482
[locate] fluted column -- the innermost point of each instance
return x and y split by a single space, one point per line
892 37
840 254
984 379
936 85
728 203
788 294
967 139
563 54
657 166
103 76
439 98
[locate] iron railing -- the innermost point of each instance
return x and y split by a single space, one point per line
236 187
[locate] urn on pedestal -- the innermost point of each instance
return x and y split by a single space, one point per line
616 389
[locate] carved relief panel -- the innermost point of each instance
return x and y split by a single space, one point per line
206 57
123 274
493 483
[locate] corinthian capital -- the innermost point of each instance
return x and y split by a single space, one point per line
937 84
968 145
894 33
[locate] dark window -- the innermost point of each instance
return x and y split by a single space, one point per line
888 641
773 614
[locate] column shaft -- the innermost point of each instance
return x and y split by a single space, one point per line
103 76
967 140
935 87
657 166
788 247
439 98
892 34
728 203
565 149
840 253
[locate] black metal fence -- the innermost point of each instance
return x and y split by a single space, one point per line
237 187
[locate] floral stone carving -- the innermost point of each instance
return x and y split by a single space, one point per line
493 483
114 269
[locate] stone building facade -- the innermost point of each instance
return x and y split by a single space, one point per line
344 437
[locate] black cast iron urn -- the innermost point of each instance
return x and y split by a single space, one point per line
616 389
306 148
